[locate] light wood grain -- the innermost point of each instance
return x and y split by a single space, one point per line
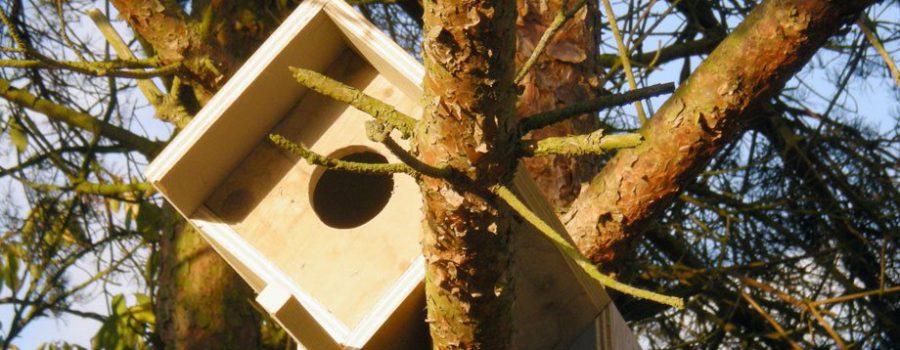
245 109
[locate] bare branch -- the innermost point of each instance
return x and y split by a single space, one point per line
543 119
561 18
119 68
623 55
78 119
314 158
873 39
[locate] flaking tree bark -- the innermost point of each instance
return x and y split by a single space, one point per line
565 72
468 125
706 113
710 109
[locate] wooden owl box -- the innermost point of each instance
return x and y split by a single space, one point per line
335 257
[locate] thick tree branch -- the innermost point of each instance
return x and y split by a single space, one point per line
165 27
467 125
750 66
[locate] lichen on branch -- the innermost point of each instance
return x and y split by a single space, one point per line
338 91
579 145
314 158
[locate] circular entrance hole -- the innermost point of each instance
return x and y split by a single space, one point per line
346 200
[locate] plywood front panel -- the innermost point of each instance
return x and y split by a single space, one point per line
266 200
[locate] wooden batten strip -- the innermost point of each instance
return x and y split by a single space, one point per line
612 331
287 311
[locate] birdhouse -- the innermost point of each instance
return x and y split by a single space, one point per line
335 257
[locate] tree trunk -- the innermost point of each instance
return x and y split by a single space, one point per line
564 74
750 66
467 125
202 303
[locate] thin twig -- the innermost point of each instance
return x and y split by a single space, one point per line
543 119
837 338
623 54
892 67
63 31
853 296
378 132
97 68
771 320
20 45
314 158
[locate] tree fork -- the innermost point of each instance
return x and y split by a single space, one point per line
752 64
468 125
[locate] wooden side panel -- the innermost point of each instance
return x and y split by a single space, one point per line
245 109
401 69
613 333
267 201
554 303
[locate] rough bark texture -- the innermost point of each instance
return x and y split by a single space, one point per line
202 303
749 66
564 74
211 42
469 105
